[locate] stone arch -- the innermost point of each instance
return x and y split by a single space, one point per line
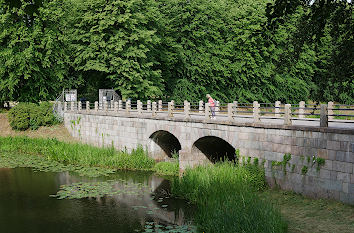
214 149
162 145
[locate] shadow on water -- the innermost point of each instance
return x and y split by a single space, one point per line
25 205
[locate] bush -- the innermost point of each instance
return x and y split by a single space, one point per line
31 116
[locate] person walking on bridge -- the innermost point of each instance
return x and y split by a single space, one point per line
212 106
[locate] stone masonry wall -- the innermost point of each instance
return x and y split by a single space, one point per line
334 179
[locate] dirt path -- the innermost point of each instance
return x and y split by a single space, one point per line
57 131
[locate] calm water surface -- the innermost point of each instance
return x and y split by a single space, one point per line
25 205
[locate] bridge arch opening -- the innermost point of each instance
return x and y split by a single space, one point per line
163 145
214 148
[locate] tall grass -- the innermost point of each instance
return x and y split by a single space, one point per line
78 154
227 199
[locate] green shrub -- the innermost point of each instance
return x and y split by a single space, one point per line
31 116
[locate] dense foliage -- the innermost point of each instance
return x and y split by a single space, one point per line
31 116
263 50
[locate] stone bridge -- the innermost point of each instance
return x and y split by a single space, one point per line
322 158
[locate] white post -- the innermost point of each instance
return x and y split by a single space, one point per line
87 106
127 106
301 109
277 108
154 108
105 105
79 106
65 106
139 106
230 111
96 105
160 106
187 107
120 105
287 114
324 116
148 105
170 109
235 108
330 111
201 108
207 111
115 106
256 117
72 106
217 107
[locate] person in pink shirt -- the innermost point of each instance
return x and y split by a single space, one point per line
212 106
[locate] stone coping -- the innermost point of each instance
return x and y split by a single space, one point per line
228 123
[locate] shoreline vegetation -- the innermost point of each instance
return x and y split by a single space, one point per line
219 191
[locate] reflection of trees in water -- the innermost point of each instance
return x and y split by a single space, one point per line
146 195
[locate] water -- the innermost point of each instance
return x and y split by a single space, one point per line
25 205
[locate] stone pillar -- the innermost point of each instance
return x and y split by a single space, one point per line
87 106
330 110
105 106
235 108
287 114
154 108
160 106
96 105
127 106
207 111
148 105
301 109
65 106
230 111
120 105
79 106
201 106
277 108
256 117
170 109
324 116
72 106
217 107
139 107
115 106
187 108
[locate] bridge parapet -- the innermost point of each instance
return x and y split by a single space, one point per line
255 114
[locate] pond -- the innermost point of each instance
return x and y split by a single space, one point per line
138 202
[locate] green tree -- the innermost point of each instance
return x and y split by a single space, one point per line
33 56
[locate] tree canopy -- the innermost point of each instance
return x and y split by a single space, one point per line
264 50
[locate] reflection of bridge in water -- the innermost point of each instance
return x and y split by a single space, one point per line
139 204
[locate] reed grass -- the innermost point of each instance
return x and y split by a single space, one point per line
227 199
85 155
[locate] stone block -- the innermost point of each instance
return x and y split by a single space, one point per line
331 185
345 177
322 153
342 167
333 145
333 175
325 174
349 157
345 187
340 156
299 134
331 154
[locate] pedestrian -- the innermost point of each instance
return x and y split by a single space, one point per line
212 106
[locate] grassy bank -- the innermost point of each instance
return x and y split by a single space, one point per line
227 198
85 155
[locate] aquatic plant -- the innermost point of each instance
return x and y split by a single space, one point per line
227 199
